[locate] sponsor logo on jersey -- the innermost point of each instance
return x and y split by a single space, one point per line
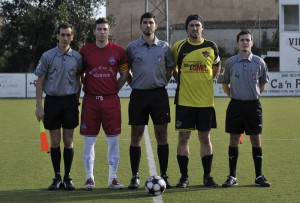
195 66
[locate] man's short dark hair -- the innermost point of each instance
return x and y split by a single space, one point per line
243 32
64 26
147 15
101 21
193 17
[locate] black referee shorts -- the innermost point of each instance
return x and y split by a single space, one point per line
61 111
244 117
153 102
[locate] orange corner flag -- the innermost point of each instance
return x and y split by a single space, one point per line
241 138
43 138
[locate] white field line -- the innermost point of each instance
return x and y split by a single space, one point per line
151 161
292 99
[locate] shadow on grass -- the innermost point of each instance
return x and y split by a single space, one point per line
99 194
78 195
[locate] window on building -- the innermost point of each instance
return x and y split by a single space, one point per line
291 17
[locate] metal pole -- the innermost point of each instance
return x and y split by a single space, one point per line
167 20
146 6
161 13
259 31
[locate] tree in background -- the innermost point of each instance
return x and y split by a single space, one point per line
28 29
275 40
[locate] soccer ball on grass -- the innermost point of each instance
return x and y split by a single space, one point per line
155 185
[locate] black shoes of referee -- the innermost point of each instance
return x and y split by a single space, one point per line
58 184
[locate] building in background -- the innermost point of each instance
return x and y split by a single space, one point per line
289 33
223 19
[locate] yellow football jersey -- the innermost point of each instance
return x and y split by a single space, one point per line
195 72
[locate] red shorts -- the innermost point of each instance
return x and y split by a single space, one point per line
97 110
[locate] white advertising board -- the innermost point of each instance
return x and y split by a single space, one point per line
31 81
283 84
23 86
13 85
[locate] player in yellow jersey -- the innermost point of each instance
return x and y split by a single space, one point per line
198 62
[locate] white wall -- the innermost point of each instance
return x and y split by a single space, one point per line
289 41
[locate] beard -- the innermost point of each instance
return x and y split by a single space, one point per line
194 35
147 32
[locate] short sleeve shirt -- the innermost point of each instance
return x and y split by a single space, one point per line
148 63
101 66
244 76
60 70
195 72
